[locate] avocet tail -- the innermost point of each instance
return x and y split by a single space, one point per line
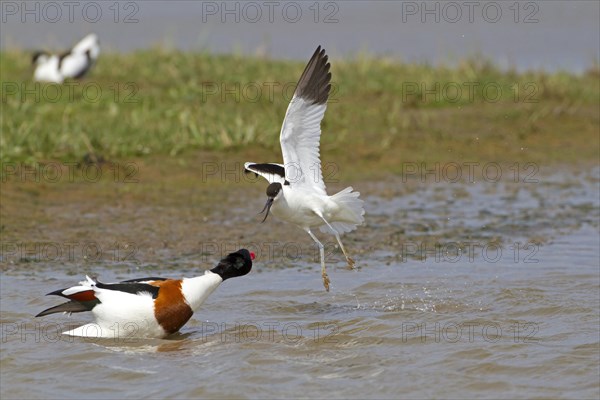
351 213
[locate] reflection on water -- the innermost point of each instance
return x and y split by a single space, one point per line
436 324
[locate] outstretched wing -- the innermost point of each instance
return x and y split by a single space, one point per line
90 44
74 65
301 130
270 171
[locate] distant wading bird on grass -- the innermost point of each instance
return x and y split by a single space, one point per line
148 307
73 64
296 191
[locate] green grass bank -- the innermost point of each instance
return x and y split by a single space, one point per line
381 112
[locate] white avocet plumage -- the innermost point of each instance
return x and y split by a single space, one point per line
73 64
296 191
148 307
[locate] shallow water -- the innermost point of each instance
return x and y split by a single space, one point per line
465 290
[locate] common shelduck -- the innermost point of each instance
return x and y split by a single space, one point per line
74 63
147 307
296 191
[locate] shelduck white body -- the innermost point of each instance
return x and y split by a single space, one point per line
147 307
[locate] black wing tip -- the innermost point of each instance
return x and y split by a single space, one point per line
249 171
319 52
314 83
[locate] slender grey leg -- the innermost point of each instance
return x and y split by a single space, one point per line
337 236
322 252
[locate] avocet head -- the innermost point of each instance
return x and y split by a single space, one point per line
40 57
273 193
